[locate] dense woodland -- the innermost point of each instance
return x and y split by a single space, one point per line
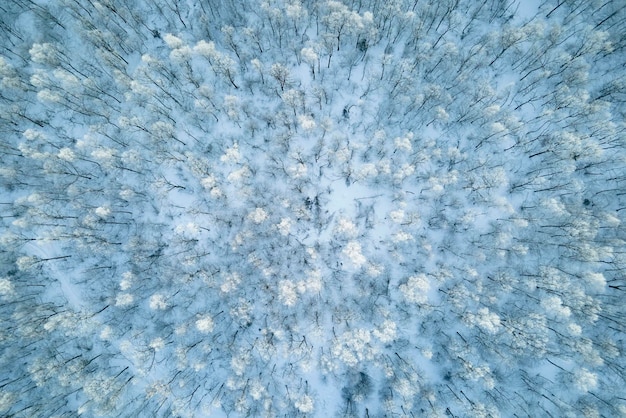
284 208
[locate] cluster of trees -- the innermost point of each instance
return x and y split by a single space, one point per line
305 208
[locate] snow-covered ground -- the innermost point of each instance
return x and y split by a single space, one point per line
312 208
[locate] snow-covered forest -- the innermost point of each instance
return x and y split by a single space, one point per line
331 208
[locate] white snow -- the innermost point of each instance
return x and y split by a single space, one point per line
296 208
